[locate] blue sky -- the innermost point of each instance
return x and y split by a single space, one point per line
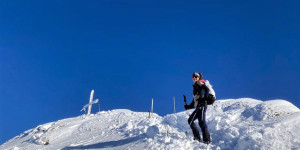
53 53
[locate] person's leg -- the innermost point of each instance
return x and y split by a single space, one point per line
193 126
202 124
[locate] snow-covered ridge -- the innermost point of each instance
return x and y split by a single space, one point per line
234 124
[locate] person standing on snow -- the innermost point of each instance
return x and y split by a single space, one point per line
201 93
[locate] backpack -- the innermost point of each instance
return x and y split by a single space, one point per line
211 95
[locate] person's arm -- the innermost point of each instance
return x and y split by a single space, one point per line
190 106
204 87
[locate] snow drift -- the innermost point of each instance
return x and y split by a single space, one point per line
234 124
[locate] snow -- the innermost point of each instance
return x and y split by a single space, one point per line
152 131
233 123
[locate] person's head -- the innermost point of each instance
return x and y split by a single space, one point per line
197 76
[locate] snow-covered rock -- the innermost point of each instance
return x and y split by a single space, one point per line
152 131
234 124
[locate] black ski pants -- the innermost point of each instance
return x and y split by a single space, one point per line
199 113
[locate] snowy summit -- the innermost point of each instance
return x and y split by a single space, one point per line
234 124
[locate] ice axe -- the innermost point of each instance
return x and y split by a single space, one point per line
184 99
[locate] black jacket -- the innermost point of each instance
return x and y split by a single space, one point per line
200 92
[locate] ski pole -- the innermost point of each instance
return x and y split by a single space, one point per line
194 114
184 99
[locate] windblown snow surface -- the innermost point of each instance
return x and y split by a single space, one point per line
234 124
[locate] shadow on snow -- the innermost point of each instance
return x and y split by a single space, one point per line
108 144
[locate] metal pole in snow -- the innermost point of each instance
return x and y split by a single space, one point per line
152 107
168 132
174 104
91 100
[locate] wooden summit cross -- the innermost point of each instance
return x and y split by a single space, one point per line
90 103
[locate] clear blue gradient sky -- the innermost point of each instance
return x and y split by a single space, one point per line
53 53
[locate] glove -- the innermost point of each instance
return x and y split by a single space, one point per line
187 107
